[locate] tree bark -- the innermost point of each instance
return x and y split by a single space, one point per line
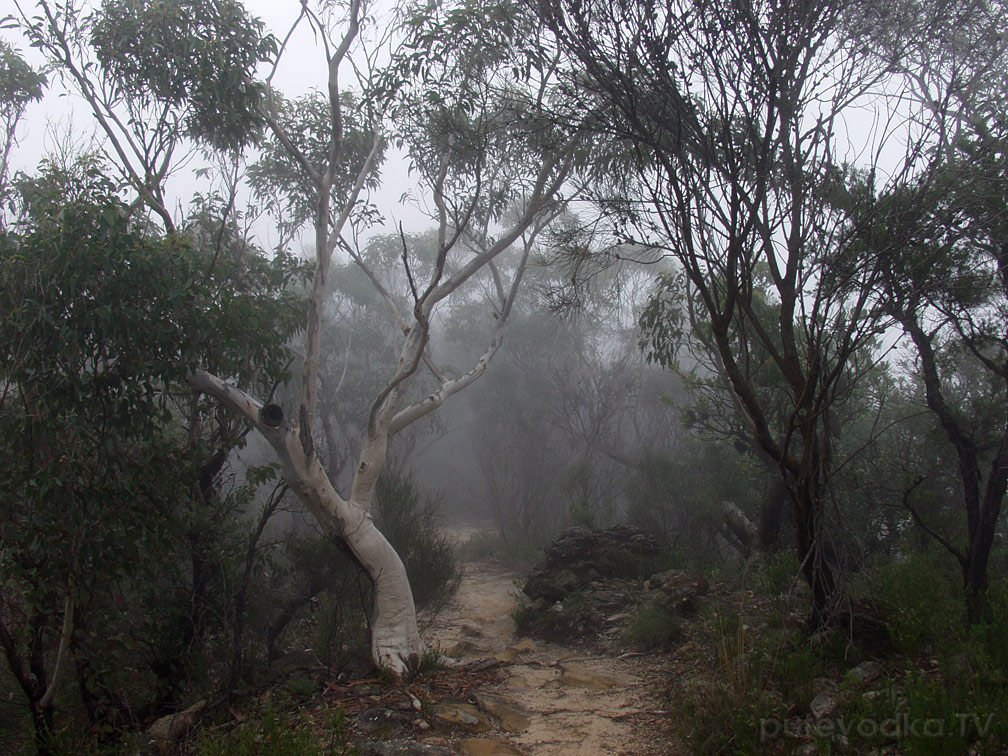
771 513
395 637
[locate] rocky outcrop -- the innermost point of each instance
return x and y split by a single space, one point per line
164 733
591 582
578 557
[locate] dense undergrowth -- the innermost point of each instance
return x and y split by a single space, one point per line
308 620
751 680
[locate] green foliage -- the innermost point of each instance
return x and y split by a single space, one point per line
20 84
677 497
796 667
723 704
274 734
922 600
778 574
654 626
110 498
280 180
987 639
193 55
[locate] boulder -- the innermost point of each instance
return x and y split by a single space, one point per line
511 715
462 715
163 733
579 556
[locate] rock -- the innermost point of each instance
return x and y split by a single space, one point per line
507 655
466 648
483 747
164 732
823 705
677 589
579 556
462 715
576 676
382 720
471 631
865 672
512 716
402 748
551 585
574 620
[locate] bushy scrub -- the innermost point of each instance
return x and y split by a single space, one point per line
271 734
921 597
114 514
654 626
678 497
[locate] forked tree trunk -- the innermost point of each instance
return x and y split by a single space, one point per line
395 638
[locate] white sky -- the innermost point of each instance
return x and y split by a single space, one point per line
302 68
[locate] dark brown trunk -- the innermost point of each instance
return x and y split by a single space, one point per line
238 627
771 513
42 719
816 569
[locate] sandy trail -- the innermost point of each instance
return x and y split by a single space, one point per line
578 705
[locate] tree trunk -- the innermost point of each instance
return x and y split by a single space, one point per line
816 568
395 638
42 719
771 513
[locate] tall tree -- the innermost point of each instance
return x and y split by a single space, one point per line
106 450
941 240
450 94
732 115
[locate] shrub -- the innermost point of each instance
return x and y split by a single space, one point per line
409 520
654 627
922 600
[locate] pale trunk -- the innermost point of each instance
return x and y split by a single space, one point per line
395 639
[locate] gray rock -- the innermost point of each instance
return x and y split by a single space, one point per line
383 720
164 732
579 556
512 716
823 705
865 672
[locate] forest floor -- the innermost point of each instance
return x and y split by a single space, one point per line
568 703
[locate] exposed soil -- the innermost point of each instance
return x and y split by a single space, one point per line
576 704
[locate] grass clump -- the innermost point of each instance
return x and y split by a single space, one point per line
654 626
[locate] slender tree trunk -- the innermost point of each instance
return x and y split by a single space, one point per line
816 569
241 600
771 513
42 719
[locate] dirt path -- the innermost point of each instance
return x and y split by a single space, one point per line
571 704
